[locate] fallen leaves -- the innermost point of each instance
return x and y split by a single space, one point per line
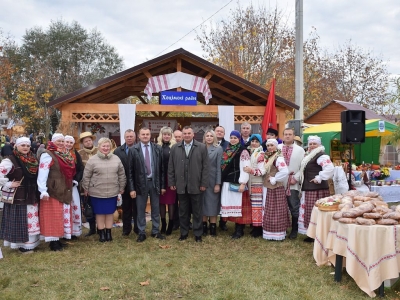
104 288
144 283
164 246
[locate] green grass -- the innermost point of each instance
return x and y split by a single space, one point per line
218 268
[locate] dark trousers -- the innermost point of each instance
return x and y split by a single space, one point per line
129 211
176 210
294 203
195 202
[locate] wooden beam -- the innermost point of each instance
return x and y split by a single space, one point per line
178 65
148 75
209 75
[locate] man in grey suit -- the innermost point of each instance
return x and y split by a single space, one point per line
188 172
146 178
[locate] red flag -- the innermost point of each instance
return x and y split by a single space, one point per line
269 119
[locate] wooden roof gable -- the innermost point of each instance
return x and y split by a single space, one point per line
330 112
226 87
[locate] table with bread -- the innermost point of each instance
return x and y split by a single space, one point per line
364 230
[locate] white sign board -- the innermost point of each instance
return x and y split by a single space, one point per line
155 126
381 126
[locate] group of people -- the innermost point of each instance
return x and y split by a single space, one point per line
271 185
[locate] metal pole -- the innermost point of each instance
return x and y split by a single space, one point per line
299 81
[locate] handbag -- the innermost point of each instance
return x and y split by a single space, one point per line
7 194
234 187
88 209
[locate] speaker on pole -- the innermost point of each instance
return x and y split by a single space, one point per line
353 126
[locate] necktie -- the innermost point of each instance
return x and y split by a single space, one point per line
147 159
187 149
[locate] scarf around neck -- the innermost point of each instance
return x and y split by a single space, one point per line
228 154
65 161
28 160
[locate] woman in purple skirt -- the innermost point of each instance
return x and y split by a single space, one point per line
166 140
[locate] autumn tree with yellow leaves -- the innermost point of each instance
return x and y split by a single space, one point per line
253 42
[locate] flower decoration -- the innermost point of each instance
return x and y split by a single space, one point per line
380 174
96 127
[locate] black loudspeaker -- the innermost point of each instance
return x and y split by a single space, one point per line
353 126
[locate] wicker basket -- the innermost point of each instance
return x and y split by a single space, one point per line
334 207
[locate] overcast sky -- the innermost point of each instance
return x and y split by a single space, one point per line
143 29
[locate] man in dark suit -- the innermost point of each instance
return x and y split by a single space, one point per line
146 178
220 133
128 204
188 172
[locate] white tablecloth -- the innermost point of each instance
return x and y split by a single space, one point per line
371 254
389 193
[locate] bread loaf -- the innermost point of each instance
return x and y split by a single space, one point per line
337 215
364 221
395 215
372 194
361 198
357 203
372 215
347 220
386 222
381 210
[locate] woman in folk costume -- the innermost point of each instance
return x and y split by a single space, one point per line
235 199
56 172
276 217
316 168
76 201
20 222
211 196
166 140
256 171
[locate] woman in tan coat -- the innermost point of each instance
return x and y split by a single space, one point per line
103 179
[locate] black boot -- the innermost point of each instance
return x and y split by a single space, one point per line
205 229
163 226
108 235
102 235
55 246
170 227
239 231
213 229
295 228
257 231
92 229
222 225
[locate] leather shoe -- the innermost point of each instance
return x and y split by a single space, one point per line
198 239
125 233
158 236
141 238
308 240
183 237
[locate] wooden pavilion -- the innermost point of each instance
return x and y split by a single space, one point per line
98 102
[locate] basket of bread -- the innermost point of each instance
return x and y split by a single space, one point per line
330 203
366 209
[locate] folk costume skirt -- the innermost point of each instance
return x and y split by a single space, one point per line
20 226
55 220
307 202
276 217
